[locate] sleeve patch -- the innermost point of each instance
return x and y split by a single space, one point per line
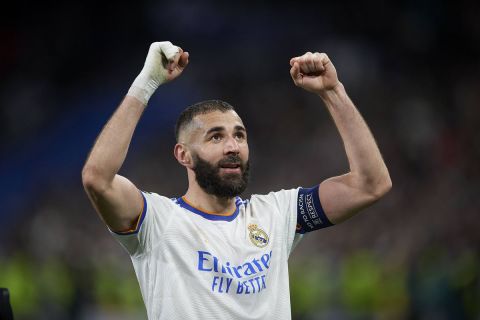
310 214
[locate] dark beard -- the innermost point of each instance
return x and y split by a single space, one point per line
226 186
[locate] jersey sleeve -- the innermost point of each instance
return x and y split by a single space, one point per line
149 228
303 212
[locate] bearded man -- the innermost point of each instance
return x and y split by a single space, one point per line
209 254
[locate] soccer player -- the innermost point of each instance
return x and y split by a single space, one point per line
209 254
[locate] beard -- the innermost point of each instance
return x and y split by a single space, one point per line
223 186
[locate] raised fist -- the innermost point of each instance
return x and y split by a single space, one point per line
313 72
164 63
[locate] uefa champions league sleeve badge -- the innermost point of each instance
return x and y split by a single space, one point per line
258 237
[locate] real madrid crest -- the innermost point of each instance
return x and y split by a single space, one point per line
257 236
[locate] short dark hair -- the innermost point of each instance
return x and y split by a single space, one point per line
202 107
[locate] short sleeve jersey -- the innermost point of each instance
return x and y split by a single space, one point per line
191 264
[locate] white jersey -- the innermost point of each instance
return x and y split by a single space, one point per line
196 265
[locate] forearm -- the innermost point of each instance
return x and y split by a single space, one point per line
366 164
111 146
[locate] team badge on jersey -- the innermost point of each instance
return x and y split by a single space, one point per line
257 236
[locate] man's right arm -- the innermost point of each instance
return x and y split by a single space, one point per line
116 199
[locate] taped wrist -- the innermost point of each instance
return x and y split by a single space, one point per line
142 88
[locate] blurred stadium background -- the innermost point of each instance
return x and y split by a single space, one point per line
412 67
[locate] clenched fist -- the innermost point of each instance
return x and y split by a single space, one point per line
164 63
313 72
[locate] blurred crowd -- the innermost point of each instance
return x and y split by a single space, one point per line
412 68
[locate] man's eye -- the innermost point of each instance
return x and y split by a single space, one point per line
240 136
216 137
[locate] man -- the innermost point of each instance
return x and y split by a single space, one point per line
210 254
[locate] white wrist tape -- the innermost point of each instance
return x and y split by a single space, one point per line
153 73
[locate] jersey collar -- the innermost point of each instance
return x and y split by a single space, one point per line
208 215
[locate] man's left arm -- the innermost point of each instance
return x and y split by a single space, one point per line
368 180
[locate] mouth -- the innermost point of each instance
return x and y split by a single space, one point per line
231 168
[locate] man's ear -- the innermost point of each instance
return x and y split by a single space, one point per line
183 155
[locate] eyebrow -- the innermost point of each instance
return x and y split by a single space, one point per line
220 128
240 128
215 129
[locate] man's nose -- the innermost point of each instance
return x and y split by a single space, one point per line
231 146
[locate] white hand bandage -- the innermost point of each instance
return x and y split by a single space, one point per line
154 72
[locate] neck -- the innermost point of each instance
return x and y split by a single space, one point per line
208 202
